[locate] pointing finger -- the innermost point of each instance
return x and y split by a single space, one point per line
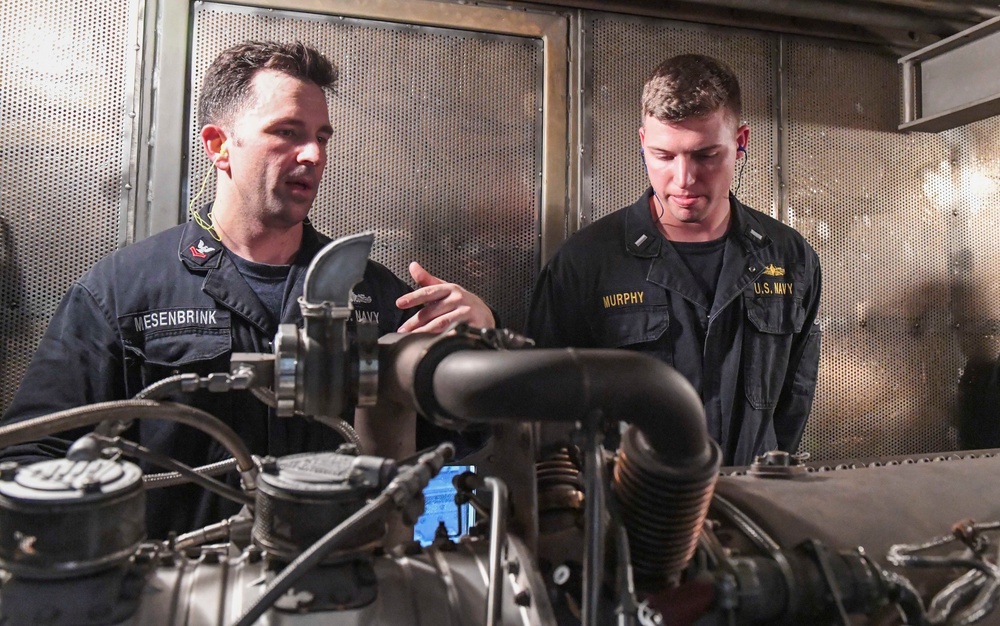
422 277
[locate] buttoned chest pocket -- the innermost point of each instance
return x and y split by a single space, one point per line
641 327
159 355
767 343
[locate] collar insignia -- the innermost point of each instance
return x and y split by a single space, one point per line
200 252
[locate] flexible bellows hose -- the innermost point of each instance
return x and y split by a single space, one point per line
663 507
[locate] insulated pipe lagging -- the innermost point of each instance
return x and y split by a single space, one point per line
567 385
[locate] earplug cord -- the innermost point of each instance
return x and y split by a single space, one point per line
207 225
210 224
739 176
642 155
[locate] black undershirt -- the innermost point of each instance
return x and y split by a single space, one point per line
704 260
267 281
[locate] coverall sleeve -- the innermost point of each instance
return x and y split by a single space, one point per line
555 318
797 393
78 362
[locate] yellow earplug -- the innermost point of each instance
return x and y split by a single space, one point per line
223 153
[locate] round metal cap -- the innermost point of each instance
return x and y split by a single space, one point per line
62 480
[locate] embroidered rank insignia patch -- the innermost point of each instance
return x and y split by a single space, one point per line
200 252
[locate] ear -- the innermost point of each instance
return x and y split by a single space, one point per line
742 137
214 140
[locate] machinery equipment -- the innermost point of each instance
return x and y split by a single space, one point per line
600 497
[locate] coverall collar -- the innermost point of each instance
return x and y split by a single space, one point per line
225 284
642 238
741 262
198 249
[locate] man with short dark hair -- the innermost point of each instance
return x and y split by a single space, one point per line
185 299
726 295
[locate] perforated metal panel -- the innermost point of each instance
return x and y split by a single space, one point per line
624 52
436 146
863 194
63 84
963 185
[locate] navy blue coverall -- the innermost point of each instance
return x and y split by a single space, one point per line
176 303
752 353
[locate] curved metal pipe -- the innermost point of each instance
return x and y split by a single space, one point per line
38 427
595 531
323 341
498 541
663 506
335 270
342 428
570 385
666 456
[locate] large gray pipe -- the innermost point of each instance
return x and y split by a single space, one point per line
667 465
568 385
